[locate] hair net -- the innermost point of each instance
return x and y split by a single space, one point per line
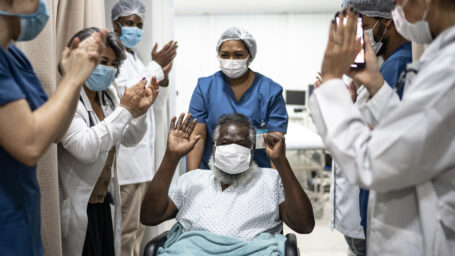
126 8
235 33
372 8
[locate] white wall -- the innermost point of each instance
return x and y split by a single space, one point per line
290 48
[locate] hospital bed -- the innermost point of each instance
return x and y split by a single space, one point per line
306 154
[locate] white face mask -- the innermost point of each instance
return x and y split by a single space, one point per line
418 32
232 158
376 45
233 68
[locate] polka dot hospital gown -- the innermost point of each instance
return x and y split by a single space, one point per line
242 212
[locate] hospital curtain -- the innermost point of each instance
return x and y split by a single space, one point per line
66 18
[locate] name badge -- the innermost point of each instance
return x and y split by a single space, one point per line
260 144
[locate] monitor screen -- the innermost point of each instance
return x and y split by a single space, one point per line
295 97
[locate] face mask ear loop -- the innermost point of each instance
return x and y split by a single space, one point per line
382 37
425 13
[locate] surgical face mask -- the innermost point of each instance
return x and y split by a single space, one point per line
31 24
233 68
131 36
418 32
232 158
101 78
376 45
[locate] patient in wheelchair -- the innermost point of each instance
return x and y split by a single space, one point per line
235 207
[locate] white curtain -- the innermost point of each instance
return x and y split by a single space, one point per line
66 18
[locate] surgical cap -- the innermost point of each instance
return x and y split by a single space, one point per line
235 33
372 8
128 7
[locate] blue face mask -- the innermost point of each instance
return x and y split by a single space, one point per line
131 36
101 78
31 24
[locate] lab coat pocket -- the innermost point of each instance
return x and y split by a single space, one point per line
446 214
65 217
388 240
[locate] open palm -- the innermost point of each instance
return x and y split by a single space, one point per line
179 141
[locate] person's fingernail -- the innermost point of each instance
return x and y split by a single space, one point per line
352 9
344 12
143 78
333 22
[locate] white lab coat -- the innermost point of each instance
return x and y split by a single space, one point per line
82 155
408 160
136 164
344 205
344 196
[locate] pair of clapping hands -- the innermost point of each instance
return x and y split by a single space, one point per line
79 60
342 48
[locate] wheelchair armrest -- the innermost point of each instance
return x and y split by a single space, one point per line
290 246
152 246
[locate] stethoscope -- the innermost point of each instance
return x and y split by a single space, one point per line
104 95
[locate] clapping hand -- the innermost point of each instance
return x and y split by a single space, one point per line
79 60
140 97
370 76
342 47
179 142
165 56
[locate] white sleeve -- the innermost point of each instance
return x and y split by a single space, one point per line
87 143
135 131
411 143
153 69
385 100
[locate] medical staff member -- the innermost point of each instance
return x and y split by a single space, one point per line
395 50
87 153
29 121
236 89
135 165
407 160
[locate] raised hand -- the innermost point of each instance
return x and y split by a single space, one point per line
79 60
370 76
274 146
179 142
342 47
166 55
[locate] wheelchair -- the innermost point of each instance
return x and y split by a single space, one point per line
151 249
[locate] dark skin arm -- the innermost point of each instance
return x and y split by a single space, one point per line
194 158
157 207
296 211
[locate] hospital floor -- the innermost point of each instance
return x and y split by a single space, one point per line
322 241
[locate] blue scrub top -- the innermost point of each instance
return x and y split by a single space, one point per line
263 102
391 71
19 191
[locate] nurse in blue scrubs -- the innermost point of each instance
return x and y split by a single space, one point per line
236 89
29 121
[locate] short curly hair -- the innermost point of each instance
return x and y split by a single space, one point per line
235 118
